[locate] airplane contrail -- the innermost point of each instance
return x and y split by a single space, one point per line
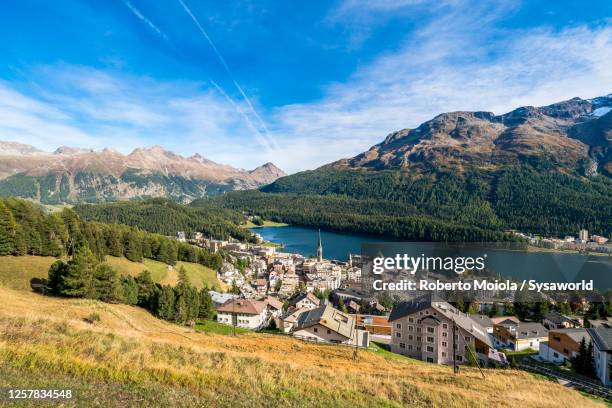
267 136
260 138
144 19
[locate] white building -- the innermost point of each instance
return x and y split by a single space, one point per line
602 350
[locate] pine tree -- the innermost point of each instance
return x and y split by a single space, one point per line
165 303
113 241
130 290
55 281
7 231
207 308
181 312
78 281
132 246
106 285
589 362
146 288
579 360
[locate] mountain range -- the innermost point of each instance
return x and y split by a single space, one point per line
71 175
573 135
461 176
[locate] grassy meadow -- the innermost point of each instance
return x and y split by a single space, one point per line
17 271
130 358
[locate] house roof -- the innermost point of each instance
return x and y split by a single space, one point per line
505 319
244 306
576 334
607 323
372 320
444 308
413 306
310 296
328 317
602 338
274 302
557 318
530 330
482 320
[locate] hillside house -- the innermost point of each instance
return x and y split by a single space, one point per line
555 320
520 336
329 325
602 352
562 344
429 329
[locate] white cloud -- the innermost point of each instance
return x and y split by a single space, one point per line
457 62
84 107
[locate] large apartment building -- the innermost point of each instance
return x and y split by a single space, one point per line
429 329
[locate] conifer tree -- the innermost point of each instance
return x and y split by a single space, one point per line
165 303
132 246
55 281
146 288
78 281
130 290
207 307
7 231
106 285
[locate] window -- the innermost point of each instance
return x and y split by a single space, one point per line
430 349
410 347
316 330
444 334
328 331
403 345
459 358
468 338
410 320
430 330
429 359
444 344
444 326
444 354
430 339
418 329
418 338
398 334
418 348
556 355
410 337
410 328
398 326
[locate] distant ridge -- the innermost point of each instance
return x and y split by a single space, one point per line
71 175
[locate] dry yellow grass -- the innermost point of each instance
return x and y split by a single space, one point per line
17 271
130 346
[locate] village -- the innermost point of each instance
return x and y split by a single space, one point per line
320 300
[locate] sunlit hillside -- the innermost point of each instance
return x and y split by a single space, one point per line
130 358
16 272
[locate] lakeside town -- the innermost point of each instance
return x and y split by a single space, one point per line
324 301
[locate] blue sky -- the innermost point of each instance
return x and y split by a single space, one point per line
296 83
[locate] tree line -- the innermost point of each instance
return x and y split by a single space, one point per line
84 276
162 216
437 205
25 229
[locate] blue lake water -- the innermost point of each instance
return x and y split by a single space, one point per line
541 266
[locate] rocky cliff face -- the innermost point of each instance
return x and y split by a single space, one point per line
571 135
76 175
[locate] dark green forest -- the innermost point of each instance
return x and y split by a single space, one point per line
166 217
439 206
25 229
